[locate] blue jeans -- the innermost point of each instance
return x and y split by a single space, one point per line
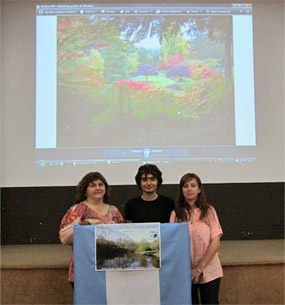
209 292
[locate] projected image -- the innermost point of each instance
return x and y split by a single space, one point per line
137 80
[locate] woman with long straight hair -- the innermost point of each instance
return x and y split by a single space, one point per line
205 233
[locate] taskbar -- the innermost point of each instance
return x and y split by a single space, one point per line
52 163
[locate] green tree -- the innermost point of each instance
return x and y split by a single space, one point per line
116 63
143 57
217 29
143 245
173 43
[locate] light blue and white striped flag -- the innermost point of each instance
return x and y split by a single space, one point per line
169 285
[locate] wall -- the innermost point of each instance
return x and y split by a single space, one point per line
37 274
31 215
31 212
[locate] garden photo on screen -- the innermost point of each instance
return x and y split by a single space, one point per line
152 79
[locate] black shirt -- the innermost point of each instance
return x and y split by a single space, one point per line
138 210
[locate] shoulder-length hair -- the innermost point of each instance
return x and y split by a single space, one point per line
84 183
182 208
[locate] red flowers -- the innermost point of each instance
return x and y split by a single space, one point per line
100 46
78 55
64 26
132 84
209 73
174 60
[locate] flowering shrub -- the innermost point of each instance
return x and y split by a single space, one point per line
78 55
212 78
205 93
178 71
130 84
142 99
210 73
147 70
196 67
173 60
64 26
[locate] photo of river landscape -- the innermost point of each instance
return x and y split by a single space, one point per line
127 247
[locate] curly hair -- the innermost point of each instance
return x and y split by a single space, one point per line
182 208
149 169
84 183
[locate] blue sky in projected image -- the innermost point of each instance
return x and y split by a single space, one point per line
149 43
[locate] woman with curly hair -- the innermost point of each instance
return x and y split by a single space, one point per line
91 207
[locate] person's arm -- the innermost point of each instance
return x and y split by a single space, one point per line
66 237
172 217
66 226
117 216
210 253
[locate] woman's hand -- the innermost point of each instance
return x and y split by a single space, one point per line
195 275
210 253
91 221
66 236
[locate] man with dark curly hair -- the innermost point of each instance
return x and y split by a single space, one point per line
150 206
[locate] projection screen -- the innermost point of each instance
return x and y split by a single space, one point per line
109 87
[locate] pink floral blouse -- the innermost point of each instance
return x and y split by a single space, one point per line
80 212
201 234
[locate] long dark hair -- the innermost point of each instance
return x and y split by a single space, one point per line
181 204
84 183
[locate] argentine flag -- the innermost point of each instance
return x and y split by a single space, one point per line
169 285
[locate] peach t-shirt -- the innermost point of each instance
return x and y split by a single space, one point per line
201 233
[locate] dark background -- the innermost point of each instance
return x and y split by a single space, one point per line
31 215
